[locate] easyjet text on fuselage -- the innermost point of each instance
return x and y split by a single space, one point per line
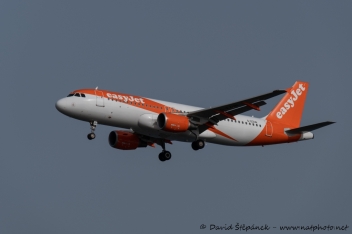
125 98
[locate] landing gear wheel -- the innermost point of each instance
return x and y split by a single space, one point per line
194 146
164 156
161 157
93 125
91 136
167 155
199 144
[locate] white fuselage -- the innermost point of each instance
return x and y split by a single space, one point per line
123 114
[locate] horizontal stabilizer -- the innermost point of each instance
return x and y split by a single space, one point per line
308 128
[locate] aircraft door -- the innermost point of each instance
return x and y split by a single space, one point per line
269 129
99 98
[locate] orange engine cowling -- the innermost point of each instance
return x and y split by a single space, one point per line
173 123
125 140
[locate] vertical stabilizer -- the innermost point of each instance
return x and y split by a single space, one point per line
289 110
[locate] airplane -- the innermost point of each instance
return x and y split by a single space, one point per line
150 121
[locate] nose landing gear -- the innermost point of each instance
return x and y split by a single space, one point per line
91 136
93 125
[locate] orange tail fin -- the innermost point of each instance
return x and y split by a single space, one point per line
289 110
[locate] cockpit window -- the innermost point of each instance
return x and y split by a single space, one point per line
76 95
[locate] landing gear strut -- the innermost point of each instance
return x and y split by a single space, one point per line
93 125
164 155
198 144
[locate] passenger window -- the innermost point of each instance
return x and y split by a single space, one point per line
83 95
77 95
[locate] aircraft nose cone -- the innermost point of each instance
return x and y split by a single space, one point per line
61 105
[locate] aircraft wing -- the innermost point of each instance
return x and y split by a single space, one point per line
308 128
213 115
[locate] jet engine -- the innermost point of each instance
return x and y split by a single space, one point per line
174 123
125 140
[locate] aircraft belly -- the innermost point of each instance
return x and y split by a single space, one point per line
207 135
157 133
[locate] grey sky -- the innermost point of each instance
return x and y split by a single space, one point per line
202 53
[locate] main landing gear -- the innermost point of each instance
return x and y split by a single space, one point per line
198 144
93 125
164 155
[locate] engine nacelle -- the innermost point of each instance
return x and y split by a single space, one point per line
125 140
173 123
